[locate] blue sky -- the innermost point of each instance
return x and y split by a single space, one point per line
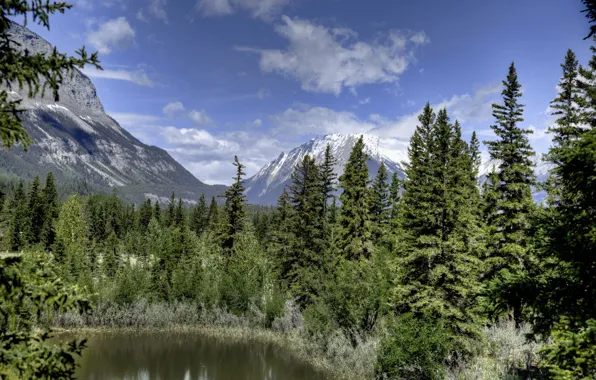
208 79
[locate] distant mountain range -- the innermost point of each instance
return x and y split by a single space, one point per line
77 140
266 186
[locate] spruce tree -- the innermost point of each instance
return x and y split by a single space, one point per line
394 199
50 211
328 177
282 238
379 204
145 215
19 219
35 211
170 214
309 245
437 273
515 205
157 212
354 239
213 216
234 210
179 215
199 217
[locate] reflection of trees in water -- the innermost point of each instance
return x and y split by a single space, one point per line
165 356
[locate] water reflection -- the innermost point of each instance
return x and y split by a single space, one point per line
177 356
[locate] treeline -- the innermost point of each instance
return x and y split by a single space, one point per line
432 258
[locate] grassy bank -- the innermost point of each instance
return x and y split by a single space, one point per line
503 354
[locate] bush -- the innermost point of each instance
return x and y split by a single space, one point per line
414 349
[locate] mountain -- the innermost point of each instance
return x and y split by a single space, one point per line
266 186
78 141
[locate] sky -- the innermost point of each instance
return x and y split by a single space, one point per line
210 79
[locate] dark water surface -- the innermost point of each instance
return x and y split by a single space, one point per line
185 356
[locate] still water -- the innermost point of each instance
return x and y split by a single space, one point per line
185 356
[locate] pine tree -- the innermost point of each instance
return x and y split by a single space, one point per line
394 199
234 209
19 219
35 212
328 177
380 204
199 217
145 215
50 211
515 204
354 238
157 212
111 260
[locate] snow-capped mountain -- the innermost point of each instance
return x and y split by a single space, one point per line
266 186
77 140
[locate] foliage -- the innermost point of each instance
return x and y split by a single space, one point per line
38 72
30 289
415 348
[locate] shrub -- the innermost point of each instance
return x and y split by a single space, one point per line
414 349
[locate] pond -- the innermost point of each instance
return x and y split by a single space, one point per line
185 356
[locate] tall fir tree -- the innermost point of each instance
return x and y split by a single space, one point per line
157 212
380 204
19 219
199 216
179 215
437 274
145 215
35 211
308 222
50 210
282 238
234 210
394 199
170 213
515 204
354 239
213 215
587 88
328 177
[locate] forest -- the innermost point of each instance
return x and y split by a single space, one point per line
430 277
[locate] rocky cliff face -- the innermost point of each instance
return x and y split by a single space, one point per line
77 140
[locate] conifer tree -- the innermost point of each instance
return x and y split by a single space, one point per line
309 245
110 257
515 204
437 273
35 212
170 214
199 217
380 204
71 234
157 212
213 216
328 177
19 220
282 237
50 211
234 210
145 215
354 239
394 199
179 215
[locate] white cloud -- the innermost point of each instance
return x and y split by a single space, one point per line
157 9
328 60
538 133
199 117
85 4
365 101
138 76
304 120
263 9
113 35
141 16
174 109
127 119
257 123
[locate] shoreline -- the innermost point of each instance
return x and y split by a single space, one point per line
291 343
